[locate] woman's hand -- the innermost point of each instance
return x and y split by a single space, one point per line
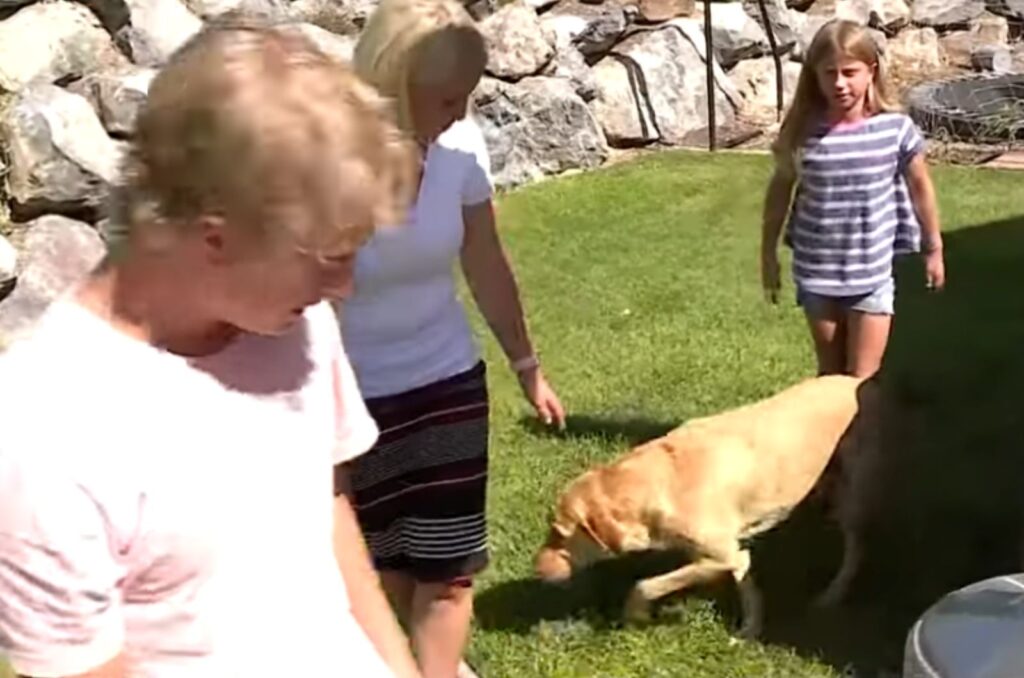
542 397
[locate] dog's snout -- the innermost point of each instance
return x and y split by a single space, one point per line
552 565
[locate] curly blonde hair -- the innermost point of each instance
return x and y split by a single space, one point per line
249 122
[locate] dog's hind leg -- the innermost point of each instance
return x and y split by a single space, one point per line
638 603
750 597
836 591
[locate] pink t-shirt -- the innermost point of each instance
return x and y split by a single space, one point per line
176 510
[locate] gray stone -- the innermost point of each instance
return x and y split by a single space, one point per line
51 42
915 50
540 4
570 65
338 47
593 29
784 22
342 17
656 11
956 48
518 45
1012 9
992 59
117 96
736 36
946 14
58 254
158 28
61 158
756 81
536 127
652 87
8 262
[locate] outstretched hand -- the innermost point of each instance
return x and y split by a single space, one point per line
935 270
542 397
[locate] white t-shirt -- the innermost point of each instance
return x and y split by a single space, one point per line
404 326
176 510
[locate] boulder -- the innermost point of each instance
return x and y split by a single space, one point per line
946 14
652 87
158 28
518 45
58 253
593 29
535 127
53 42
117 96
61 158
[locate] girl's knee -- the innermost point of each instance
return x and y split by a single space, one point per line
455 589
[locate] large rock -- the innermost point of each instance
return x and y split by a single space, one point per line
593 29
58 253
735 34
117 96
158 29
915 50
946 14
343 17
756 81
570 65
338 47
61 158
1013 9
8 264
535 127
518 45
51 42
784 22
652 87
986 31
656 11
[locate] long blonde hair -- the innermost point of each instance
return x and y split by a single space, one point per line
836 39
409 42
247 122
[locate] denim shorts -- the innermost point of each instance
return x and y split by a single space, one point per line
879 302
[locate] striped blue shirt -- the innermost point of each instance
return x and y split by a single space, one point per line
852 212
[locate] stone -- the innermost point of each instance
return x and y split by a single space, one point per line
61 158
8 263
1012 9
593 29
652 88
915 50
158 28
990 29
890 16
736 36
536 127
338 47
808 28
52 42
784 22
656 11
570 65
956 48
540 5
946 14
58 253
992 59
518 45
755 79
117 96
341 17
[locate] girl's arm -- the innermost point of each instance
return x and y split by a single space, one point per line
776 208
494 289
922 192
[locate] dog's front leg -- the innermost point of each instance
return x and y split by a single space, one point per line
638 604
852 556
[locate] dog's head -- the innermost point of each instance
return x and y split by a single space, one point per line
579 536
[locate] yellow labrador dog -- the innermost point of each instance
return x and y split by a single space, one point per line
716 481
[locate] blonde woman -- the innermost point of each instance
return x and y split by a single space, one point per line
420 493
863 194
171 427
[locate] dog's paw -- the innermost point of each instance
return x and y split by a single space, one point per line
637 608
750 630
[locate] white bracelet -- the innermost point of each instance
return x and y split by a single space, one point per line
523 364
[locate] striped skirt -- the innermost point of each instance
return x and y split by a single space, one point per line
420 493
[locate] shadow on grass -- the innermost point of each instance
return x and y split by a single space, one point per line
625 431
948 511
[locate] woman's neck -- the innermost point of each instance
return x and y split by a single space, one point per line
156 301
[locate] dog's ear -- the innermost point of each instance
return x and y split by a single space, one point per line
602 528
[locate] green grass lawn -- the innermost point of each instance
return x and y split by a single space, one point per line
642 286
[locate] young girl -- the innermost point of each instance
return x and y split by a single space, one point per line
421 492
852 158
171 427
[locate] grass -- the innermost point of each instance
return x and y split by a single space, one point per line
642 287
